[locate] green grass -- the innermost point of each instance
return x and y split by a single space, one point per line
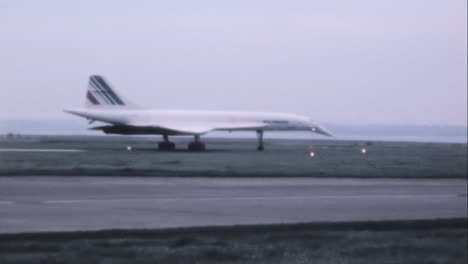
420 241
107 156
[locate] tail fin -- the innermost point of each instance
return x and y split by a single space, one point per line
100 93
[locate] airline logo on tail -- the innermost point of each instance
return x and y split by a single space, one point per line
100 92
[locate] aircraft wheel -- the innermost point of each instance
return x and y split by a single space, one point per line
166 145
196 146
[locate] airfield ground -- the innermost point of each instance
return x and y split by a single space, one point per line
109 156
75 203
406 185
423 241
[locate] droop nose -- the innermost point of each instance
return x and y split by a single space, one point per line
320 130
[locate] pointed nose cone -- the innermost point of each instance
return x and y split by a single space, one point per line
320 130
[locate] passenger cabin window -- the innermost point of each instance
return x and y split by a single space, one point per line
275 122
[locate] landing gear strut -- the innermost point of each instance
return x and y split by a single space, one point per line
260 140
196 145
166 144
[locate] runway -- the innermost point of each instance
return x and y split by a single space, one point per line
33 204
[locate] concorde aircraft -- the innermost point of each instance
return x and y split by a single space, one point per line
123 117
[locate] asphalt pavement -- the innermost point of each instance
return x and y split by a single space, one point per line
46 203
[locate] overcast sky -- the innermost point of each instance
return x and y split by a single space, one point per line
350 61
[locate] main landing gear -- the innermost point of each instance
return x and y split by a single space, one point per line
196 145
166 144
260 140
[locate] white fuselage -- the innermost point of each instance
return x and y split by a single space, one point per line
102 103
223 120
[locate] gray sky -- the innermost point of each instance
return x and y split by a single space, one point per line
350 61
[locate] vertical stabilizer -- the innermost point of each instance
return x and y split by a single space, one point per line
101 94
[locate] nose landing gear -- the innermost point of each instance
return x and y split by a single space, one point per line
260 140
